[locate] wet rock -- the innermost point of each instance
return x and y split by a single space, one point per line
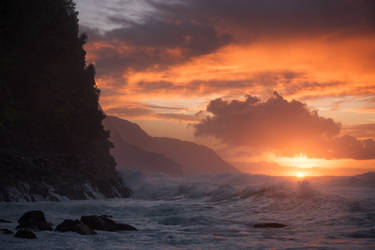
75 226
269 225
26 234
107 215
5 231
103 223
34 220
125 227
5 221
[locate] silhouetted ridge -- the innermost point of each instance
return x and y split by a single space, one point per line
49 108
132 157
193 158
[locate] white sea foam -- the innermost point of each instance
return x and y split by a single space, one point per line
215 212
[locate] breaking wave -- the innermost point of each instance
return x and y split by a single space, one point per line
220 187
218 212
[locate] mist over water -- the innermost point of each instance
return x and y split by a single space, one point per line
218 212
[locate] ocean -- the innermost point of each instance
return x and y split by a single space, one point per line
217 212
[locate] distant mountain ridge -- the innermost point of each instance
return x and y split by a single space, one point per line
192 158
133 157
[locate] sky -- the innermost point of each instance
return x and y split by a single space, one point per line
275 87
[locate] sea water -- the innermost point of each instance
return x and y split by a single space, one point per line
215 212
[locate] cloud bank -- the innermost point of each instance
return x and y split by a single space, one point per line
173 32
280 126
187 52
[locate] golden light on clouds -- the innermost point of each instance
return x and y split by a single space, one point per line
165 69
301 161
325 68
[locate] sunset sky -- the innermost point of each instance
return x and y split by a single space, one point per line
276 87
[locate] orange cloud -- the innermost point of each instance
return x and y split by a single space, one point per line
185 54
198 50
320 68
302 69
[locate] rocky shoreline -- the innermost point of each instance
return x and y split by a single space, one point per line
32 177
35 221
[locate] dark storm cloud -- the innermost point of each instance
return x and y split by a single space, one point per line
284 127
109 62
198 27
195 37
275 17
161 41
92 33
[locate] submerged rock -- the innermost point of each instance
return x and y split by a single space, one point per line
26 234
269 225
34 220
75 226
5 231
103 223
5 221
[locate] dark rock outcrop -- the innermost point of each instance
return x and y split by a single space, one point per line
74 226
26 234
52 142
103 223
269 225
5 231
57 177
5 221
34 220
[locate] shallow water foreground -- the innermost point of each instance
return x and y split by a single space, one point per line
216 212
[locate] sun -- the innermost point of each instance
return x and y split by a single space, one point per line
300 175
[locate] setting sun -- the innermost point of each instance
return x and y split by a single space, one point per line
300 175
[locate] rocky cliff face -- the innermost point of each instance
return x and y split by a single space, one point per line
56 178
52 142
